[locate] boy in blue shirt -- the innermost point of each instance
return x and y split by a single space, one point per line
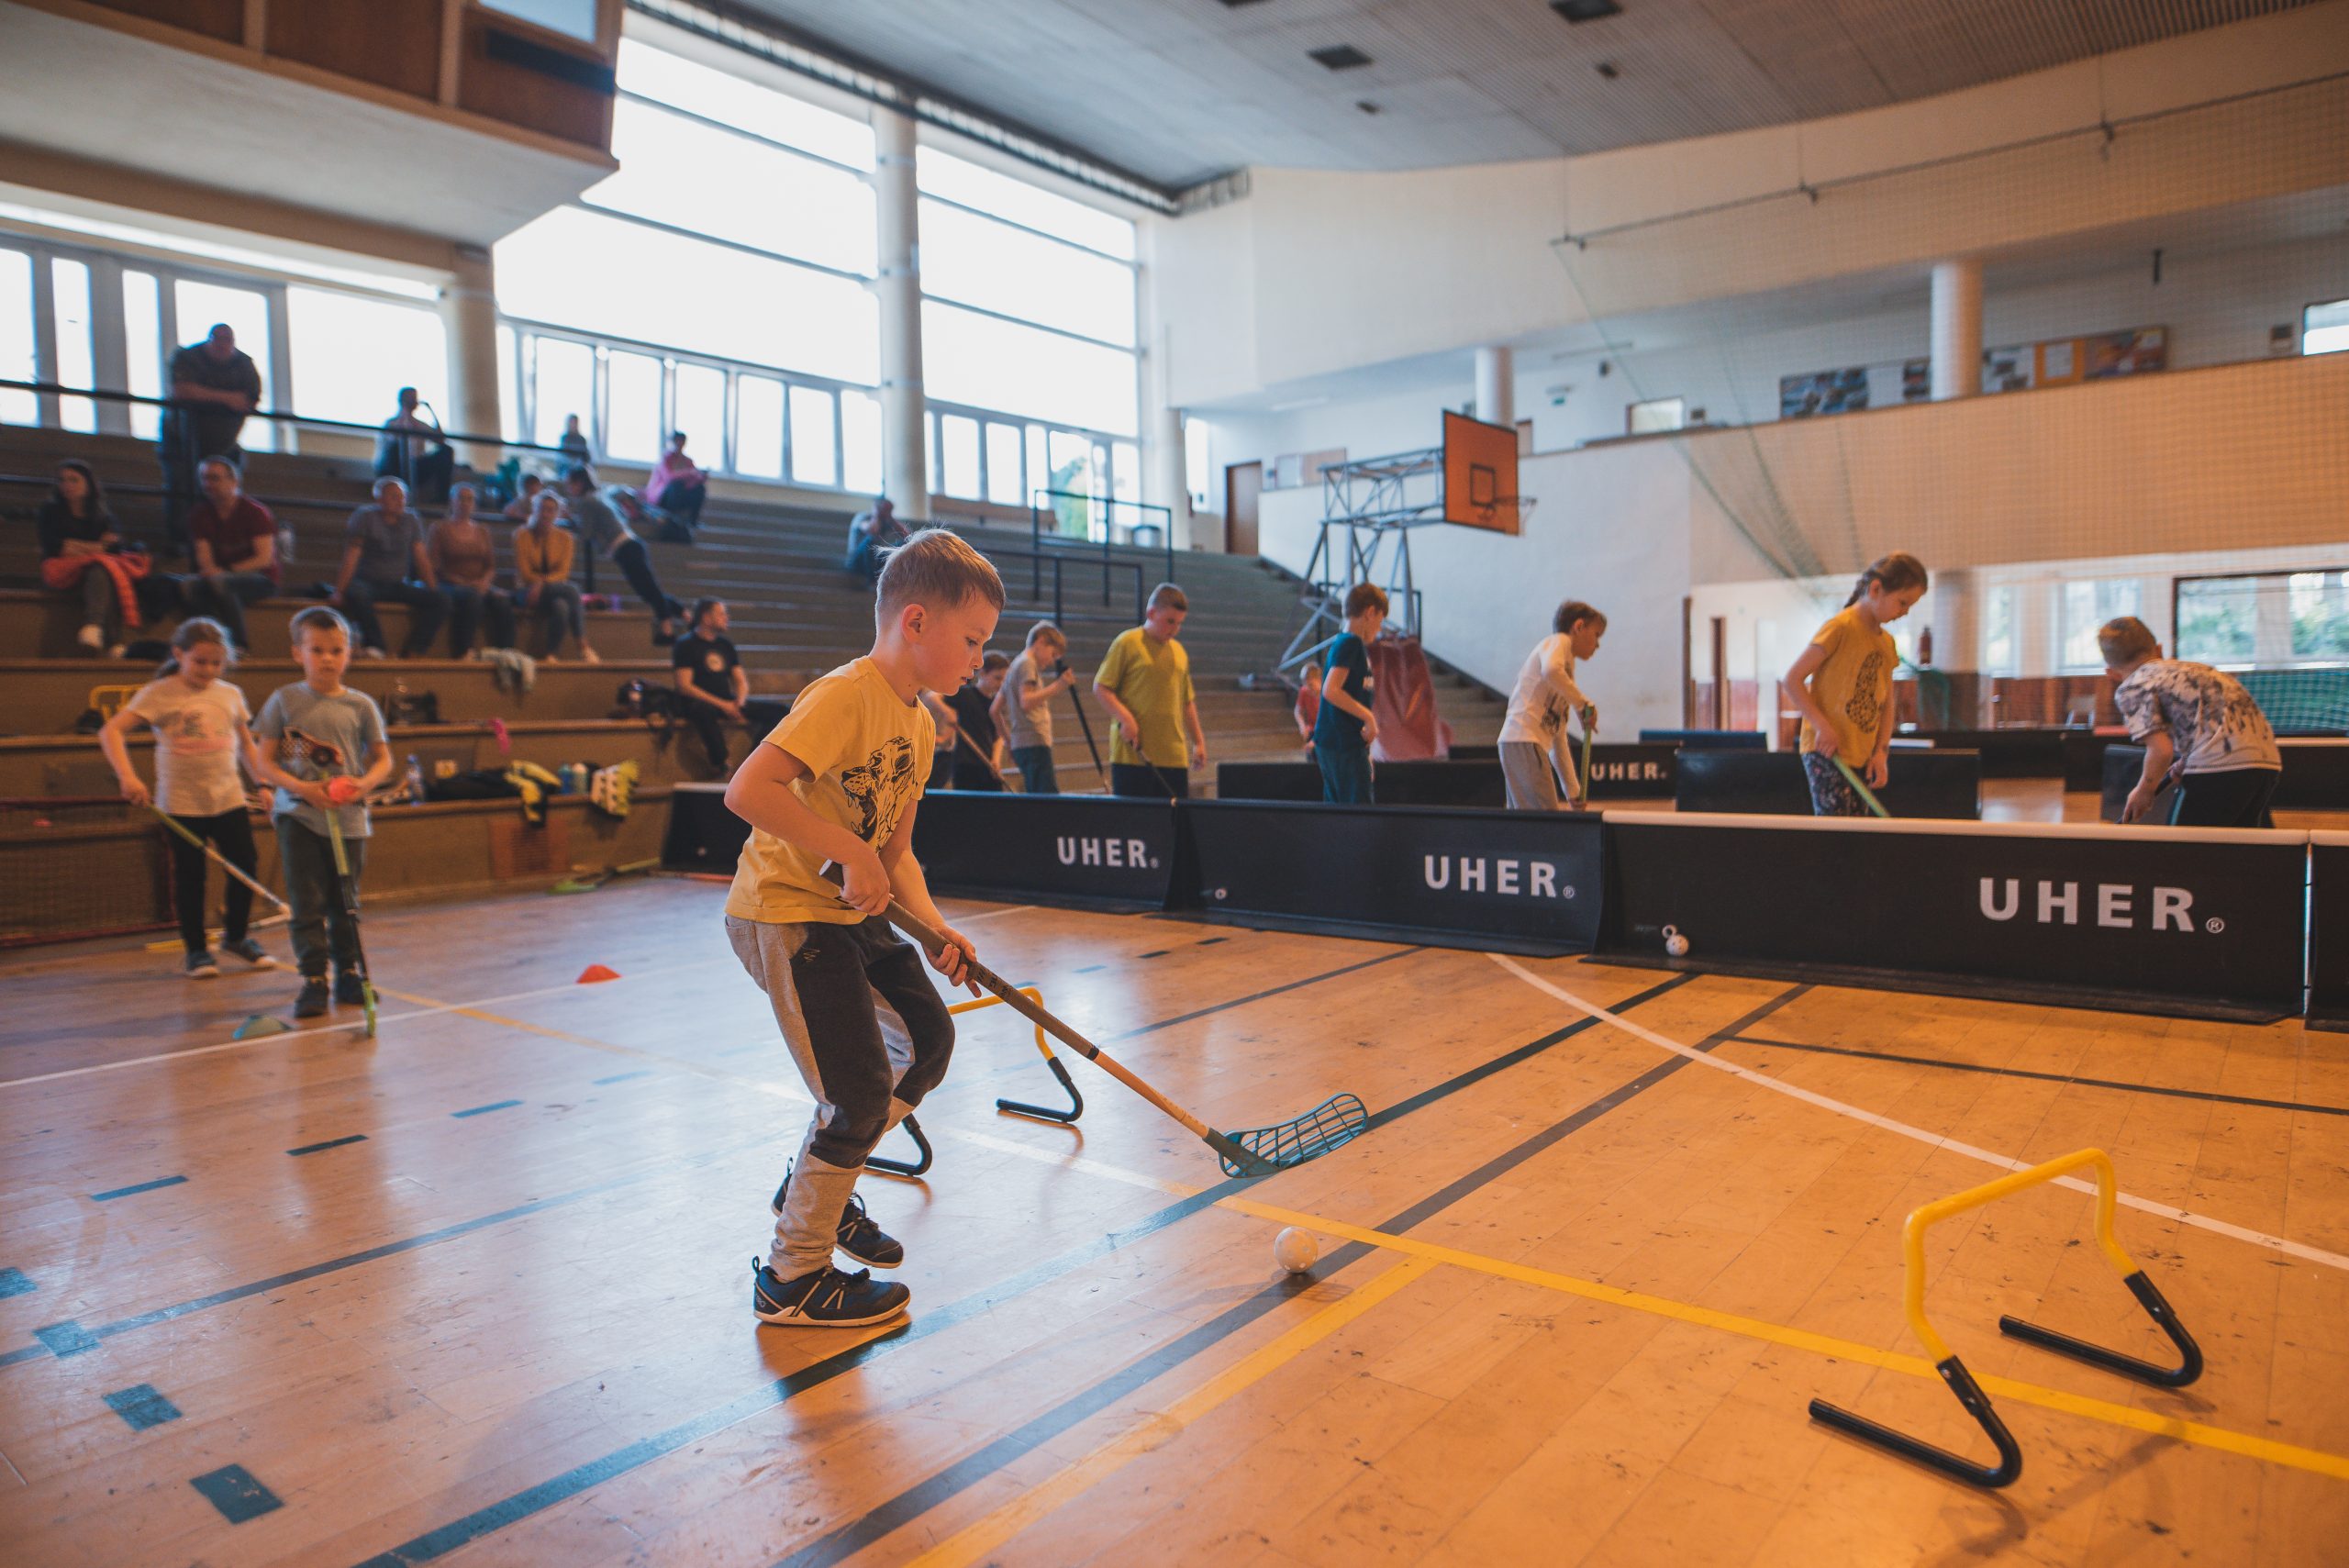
1346 725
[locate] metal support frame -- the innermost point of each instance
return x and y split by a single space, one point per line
1369 507
1953 1371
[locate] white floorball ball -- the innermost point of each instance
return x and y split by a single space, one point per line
1296 1250
1675 943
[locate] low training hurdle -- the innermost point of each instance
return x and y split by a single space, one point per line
921 1162
1953 1371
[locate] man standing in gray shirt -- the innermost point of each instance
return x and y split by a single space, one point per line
382 545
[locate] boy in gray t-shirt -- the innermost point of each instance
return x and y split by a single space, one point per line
1024 707
322 744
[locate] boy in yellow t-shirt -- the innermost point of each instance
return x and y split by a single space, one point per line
1145 683
1841 685
837 781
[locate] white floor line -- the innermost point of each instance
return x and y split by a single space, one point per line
346 1025
1933 1139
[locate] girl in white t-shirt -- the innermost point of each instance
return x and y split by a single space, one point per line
203 730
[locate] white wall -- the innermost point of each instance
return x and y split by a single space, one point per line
1315 272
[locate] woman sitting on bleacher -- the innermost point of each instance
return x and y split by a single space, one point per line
542 576
81 553
464 557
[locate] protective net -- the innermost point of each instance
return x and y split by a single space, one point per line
80 868
2146 435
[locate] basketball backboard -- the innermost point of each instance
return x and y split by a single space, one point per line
1479 475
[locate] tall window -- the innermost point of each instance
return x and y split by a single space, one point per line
1028 305
2001 650
2087 607
352 354
2324 329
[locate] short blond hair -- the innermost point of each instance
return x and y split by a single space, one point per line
2126 641
1045 631
937 568
1168 596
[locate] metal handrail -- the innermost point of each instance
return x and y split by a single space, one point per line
1039 502
276 416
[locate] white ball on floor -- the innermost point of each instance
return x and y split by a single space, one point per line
1295 1249
1676 945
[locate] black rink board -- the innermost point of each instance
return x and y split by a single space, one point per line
2165 915
1527 882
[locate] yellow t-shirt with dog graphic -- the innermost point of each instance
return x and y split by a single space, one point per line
1855 687
866 752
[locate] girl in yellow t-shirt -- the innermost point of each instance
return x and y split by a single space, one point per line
1842 685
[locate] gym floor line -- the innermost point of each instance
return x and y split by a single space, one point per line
2210 1096
905 1507
774 1087
2274 1243
438 1542
421 1007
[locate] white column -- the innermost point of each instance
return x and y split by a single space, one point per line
1166 480
1496 388
905 465
469 311
1957 329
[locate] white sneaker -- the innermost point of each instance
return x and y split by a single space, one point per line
91 638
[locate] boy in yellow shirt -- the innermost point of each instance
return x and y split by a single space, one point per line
1145 683
837 781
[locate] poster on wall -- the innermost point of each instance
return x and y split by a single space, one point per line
1822 392
2010 368
2133 352
1916 380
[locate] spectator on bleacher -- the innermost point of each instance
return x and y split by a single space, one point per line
526 497
235 541
869 532
677 487
464 559
710 678
573 442
82 554
412 449
628 503
383 545
1145 683
542 575
601 526
214 385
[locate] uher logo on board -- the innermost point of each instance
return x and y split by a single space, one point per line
1647 772
1506 876
1091 850
2118 905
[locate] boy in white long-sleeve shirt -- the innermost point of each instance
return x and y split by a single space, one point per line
1535 752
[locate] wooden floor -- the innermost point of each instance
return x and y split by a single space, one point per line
476 1292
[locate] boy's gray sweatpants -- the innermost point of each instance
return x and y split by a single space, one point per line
1530 773
869 1035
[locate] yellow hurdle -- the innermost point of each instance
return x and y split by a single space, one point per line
1953 1371
1076 1108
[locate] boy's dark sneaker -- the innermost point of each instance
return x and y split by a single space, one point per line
312 1002
252 951
350 989
827 1298
859 1237
200 966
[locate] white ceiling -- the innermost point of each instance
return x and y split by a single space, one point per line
1177 91
106 95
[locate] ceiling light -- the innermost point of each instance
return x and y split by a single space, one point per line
1586 10
1340 57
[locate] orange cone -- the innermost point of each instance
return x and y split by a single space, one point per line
596 974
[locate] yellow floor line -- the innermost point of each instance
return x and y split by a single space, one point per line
975 1540
2266 1450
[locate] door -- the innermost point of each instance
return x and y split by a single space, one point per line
1243 483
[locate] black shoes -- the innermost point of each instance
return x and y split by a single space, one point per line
859 1237
312 1002
827 1298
